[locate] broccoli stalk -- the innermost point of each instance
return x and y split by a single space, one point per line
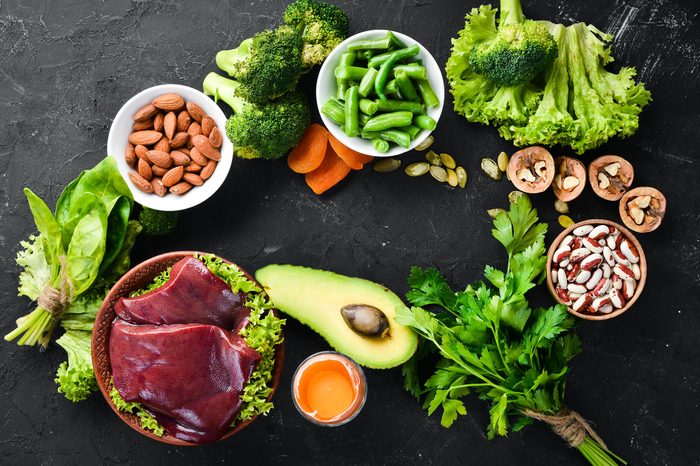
323 26
266 131
75 377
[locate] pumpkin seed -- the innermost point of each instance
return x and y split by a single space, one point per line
493 213
561 206
433 158
565 221
503 161
387 165
451 177
461 176
490 168
515 195
426 143
417 169
438 173
447 160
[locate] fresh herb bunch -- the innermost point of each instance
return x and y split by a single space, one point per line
491 342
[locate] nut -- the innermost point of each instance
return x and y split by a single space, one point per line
197 157
162 145
144 170
193 179
173 176
170 124
503 161
531 170
208 124
181 188
439 173
195 111
179 140
386 165
158 171
208 170
145 138
145 113
448 161
158 121
130 155
183 121
215 137
490 168
140 183
142 125
427 142
158 187
561 206
169 102
525 174
160 158
433 158
610 176
194 129
141 152
461 177
570 182
201 142
643 209
193 168
179 158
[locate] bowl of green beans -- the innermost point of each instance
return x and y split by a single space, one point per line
380 93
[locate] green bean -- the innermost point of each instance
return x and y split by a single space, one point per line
388 120
394 135
374 44
334 111
424 122
397 105
411 130
354 73
368 107
377 60
408 91
388 65
426 92
364 118
380 145
367 83
346 59
352 124
395 41
368 54
412 70
391 88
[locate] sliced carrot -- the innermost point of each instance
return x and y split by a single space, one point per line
308 154
331 171
354 159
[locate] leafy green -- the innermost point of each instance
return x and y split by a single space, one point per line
158 223
75 377
146 419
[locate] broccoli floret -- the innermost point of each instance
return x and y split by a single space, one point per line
75 377
157 223
323 26
267 65
515 52
266 131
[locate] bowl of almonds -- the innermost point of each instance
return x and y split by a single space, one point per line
170 145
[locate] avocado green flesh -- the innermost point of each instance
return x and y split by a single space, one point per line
315 297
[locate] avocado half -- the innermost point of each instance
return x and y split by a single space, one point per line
315 298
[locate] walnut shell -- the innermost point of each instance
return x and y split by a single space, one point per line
653 212
618 183
568 167
526 159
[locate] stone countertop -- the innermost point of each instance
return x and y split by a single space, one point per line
66 68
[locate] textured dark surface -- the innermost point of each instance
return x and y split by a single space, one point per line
67 67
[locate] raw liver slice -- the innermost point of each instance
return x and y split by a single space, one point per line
192 295
189 375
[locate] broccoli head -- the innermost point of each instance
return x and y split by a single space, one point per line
75 377
265 131
323 26
157 223
267 65
515 52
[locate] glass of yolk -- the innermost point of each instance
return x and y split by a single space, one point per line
329 389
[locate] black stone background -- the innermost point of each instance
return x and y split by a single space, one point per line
67 66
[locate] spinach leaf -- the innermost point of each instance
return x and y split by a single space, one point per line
87 248
116 230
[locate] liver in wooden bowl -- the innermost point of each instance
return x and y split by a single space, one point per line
137 278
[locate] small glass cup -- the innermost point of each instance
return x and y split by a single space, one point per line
357 377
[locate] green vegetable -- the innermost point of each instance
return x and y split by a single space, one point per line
399 105
367 83
389 120
267 65
263 333
424 122
352 101
491 343
413 71
346 59
334 110
265 131
427 93
75 378
380 145
368 107
574 102
157 223
371 44
351 73
323 26
406 87
396 136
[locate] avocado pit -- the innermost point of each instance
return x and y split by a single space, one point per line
365 320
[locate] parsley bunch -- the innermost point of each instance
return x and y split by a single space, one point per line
491 342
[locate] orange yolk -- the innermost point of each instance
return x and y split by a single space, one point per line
325 389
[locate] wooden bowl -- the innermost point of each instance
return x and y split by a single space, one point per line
642 266
135 279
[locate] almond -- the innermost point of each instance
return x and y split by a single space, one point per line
183 121
160 158
158 171
145 138
193 179
207 125
130 155
140 183
208 170
169 124
201 142
193 168
215 137
179 140
173 176
194 129
197 157
158 121
195 111
179 158
145 113
163 145
181 188
158 187
169 102
144 170
141 152
141 125
184 150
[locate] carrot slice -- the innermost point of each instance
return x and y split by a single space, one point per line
331 171
308 154
354 159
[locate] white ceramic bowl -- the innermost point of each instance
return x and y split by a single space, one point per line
118 139
326 88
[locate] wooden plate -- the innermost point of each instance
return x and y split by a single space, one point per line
135 279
